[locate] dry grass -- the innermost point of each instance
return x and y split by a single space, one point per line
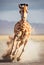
37 37
4 37
33 37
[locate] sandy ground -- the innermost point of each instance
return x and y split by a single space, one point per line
33 53
35 63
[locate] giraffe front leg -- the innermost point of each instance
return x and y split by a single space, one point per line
16 38
18 54
18 58
15 51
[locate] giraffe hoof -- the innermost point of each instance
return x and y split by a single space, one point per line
18 59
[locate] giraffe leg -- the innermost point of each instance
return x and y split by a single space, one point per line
14 47
18 58
15 44
15 51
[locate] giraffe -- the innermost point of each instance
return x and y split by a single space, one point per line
22 32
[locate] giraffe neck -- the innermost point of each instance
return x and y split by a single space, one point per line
23 20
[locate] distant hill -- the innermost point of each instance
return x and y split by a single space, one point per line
7 27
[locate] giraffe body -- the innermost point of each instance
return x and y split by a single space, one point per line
22 32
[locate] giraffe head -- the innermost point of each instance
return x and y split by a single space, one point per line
23 11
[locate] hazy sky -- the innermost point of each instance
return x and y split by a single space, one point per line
9 10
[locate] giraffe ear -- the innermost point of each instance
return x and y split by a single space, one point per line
19 5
